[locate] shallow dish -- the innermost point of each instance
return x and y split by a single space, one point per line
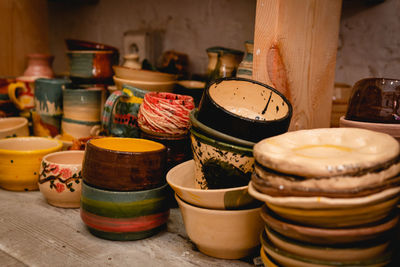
327 152
124 215
326 236
245 109
219 164
20 159
143 75
387 128
285 258
124 164
202 128
167 86
60 178
323 202
346 253
227 234
181 179
13 126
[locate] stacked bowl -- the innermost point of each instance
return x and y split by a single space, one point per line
330 196
144 79
124 193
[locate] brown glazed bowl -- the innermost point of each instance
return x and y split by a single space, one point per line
124 164
375 100
244 109
74 44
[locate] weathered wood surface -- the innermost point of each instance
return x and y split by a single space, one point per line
295 45
33 233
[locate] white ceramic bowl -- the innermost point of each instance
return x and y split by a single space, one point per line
13 126
167 86
227 234
181 179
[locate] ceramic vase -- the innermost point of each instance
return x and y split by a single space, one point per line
39 65
223 62
245 69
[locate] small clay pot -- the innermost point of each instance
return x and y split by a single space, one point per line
124 164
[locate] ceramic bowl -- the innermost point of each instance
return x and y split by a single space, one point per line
124 164
346 253
167 86
124 215
92 66
74 44
375 100
13 126
322 203
20 159
329 236
181 179
337 218
218 164
286 258
143 75
202 128
392 129
245 109
227 234
60 178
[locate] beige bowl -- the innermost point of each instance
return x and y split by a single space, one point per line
143 75
60 178
181 178
13 126
20 159
224 234
167 86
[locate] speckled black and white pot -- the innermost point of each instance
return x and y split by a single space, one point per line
218 164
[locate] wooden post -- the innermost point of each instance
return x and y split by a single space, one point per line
295 45
24 29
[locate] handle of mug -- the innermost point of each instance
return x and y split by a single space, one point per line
112 100
12 88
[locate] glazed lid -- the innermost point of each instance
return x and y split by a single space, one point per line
326 152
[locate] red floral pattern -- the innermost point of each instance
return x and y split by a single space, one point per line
65 173
60 187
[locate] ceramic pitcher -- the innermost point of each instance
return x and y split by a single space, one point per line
22 92
121 110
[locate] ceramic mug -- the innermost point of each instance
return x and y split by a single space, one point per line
22 91
60 178
121 111
83 104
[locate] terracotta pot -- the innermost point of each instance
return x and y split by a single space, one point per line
39 65
124 164
245 109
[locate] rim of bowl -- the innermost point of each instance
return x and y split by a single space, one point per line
214 211
47 150
288 115
217 134
91 51
123 193
64 152
145 71
163 147
387 224
266 243
373 126
23 122
118 79
189 162
225 145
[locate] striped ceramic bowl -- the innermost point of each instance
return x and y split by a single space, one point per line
124 215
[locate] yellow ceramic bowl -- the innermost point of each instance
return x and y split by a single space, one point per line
334 218
20 160
181 179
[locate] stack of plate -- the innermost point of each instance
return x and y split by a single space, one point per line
330 196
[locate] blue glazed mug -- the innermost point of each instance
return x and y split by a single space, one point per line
121 110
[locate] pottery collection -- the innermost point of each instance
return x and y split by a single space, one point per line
116 140
328 199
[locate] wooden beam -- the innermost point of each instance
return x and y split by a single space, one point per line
295 45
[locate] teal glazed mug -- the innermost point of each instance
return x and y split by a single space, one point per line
121 111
